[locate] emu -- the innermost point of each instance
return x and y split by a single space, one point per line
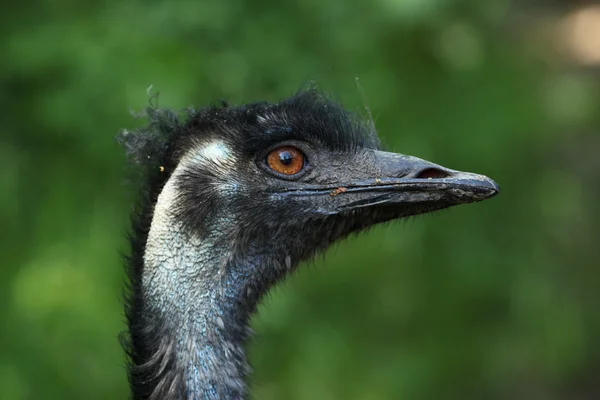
232 200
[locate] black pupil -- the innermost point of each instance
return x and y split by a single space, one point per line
285 157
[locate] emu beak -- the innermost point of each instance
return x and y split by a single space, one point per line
397 185
412 181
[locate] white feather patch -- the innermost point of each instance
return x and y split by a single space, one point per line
216 152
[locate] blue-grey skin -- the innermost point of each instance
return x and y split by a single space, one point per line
190 281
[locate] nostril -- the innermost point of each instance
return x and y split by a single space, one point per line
432 173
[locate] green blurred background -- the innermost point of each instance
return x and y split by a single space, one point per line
496 300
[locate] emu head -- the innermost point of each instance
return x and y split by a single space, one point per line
234 199
279 182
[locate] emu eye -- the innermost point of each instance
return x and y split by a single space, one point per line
286 160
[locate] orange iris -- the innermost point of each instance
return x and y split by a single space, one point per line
286 160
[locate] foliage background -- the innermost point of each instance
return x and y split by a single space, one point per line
497 300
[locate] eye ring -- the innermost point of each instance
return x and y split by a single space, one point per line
286 160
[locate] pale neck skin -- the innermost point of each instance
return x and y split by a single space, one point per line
201 296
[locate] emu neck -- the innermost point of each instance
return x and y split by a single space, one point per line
197 307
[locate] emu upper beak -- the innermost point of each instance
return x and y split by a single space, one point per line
406 183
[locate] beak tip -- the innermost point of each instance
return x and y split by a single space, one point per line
478 187
489 188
